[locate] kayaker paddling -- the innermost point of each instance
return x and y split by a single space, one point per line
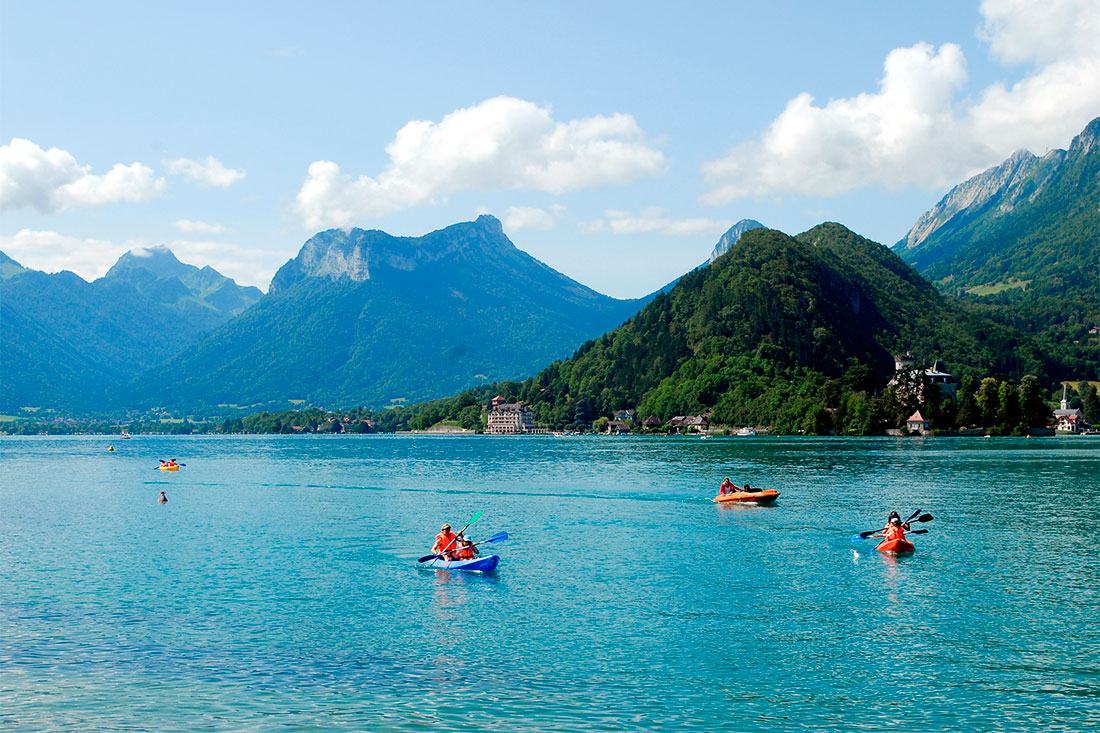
895 529
893 536
444 542
466 549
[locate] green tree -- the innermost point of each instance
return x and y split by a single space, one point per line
1008 406
988 399
1033 409
1090 402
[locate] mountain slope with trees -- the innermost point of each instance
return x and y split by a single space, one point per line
71 345
1021 242
363 317
794 332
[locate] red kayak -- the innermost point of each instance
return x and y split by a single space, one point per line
897 547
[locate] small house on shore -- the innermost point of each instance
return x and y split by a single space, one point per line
916 424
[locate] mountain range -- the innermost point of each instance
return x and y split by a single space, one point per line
1030 224
365 318
779 330
73 345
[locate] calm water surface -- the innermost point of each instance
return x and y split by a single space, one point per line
278 588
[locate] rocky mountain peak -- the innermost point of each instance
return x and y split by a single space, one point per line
158 260
974 192
1087 139
732 235
360 254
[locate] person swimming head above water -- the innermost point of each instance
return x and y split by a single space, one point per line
163 499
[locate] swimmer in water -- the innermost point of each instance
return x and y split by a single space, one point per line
162 498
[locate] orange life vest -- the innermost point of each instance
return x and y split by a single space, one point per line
893 532
465 553
445 541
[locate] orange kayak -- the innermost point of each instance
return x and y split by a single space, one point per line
168 468
749 497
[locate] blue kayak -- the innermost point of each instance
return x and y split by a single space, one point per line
483 564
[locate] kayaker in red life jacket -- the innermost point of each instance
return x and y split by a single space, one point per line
445 542
466 549
894 529
727 487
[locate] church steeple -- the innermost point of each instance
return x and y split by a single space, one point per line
1065 398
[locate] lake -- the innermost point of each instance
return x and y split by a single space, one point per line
278 588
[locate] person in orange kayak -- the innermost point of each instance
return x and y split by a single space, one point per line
445 542
727 487
895 529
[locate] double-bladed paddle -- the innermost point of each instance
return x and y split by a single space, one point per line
912 518
495 538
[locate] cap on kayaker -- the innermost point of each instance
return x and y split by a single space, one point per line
445 526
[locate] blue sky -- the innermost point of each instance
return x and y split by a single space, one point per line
616 141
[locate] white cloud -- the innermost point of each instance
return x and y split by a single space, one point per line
91 258
1051 30
655 221
187 225
500 144
53 252
530 217
52 180
913 130
209 172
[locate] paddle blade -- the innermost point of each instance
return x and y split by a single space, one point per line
858 538
924 518
919 531
498 537
474 518
426 558
910 519
868 533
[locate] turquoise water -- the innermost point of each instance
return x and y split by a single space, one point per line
278 588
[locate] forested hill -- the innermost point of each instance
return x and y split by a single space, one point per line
773 332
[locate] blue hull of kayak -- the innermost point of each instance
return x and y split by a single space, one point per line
482 564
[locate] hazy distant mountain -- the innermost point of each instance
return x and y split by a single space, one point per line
204 296
1028 224
365 318
69 344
